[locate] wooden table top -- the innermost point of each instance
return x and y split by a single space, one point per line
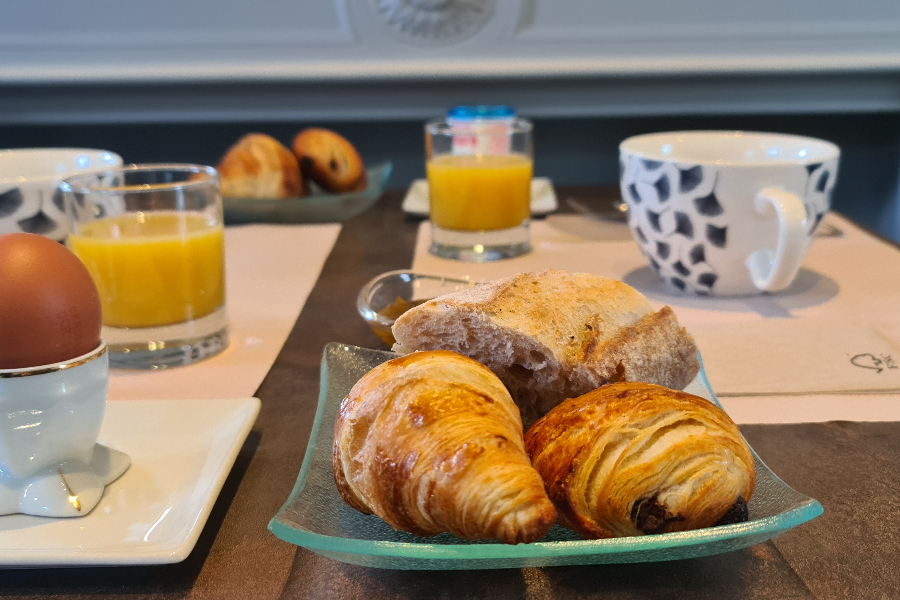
853 469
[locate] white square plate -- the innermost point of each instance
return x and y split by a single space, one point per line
181 453
543 197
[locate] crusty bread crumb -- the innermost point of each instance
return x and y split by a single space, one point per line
553 335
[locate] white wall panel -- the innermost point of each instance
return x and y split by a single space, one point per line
121 60
296 40
160 26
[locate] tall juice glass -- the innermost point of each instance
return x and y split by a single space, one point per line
480 192
152 239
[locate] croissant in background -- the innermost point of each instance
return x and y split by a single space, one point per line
432 442
259 166
633 458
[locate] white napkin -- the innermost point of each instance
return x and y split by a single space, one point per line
794 356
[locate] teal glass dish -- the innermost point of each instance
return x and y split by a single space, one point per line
318 207
316 517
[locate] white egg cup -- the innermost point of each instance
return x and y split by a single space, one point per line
50 462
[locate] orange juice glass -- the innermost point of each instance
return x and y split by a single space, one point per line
479 193
152 238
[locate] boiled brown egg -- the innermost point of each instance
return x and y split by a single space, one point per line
49 306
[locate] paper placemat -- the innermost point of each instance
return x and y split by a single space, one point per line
842 278
796 356
270 271
834 331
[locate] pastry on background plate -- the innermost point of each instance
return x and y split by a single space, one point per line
330 160
259 166
432 442
633 459
555 335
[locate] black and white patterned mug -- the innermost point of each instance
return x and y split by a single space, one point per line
726 213
29 177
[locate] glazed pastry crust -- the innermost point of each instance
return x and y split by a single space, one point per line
633 458
330 160
432 442
554 335
259 166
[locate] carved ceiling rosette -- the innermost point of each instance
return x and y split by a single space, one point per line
435 21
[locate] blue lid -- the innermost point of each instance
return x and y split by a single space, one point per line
482 111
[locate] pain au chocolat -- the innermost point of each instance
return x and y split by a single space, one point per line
633 459
432 442
330 160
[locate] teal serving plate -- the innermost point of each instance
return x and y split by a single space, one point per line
318 207
316 517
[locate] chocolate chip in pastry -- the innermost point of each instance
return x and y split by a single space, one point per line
633 458
330 160
259 166
555 335
432 442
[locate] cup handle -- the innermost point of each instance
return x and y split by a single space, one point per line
772 271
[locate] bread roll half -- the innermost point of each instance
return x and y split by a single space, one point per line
554 335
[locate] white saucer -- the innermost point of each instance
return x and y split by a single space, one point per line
543 197
181 451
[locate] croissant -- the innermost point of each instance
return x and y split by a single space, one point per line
259 166
432 442
635 458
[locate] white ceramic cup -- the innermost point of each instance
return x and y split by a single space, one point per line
29 178
726 213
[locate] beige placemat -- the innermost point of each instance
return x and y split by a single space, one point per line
850 277
834 331
270 271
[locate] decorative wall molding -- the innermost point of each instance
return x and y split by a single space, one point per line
435 21
165 73
835 33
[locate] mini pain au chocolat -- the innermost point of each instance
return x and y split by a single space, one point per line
633 459
330 160
554 335
432 442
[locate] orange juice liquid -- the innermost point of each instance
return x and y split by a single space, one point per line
154 268
472 192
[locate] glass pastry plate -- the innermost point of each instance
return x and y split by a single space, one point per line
318 207
316 517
